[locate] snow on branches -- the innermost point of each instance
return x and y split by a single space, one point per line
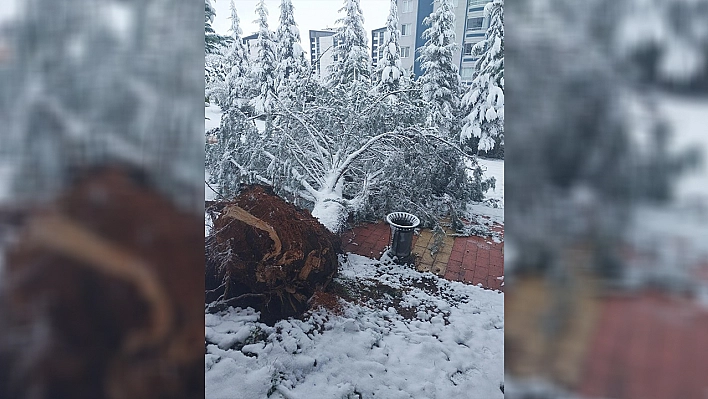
263 79
484 100
440 82
353 62
389 69
293 65
343 149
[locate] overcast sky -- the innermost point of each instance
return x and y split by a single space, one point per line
309 14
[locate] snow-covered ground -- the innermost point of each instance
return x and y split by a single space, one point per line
491 210
673 239
212 117
494 168
403 334
689 119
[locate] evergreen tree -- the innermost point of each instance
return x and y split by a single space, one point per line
237 61
440 82
389 69
215 71
231 152
353 62
484 101
292 63
213 42
263 73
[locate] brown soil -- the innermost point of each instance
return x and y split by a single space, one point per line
266 253
112 276
326 300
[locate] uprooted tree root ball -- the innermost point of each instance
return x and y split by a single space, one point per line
266 253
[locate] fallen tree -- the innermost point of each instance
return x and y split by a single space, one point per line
266 253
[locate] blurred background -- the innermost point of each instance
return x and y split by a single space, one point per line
607 206
101 196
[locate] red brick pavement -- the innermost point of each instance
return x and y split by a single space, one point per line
648 346
474 260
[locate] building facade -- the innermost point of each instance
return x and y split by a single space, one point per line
322 44
470 28
250 43
377 40
475 27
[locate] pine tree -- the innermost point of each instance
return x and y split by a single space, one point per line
292 63
213 42
215 72
237 61
263 77
440 83
484 101
389 69
353 62
232 152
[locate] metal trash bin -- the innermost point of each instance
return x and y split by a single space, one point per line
402 228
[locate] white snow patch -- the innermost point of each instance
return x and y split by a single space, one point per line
331 214
689 117
212 117
491 211
452 347
494 168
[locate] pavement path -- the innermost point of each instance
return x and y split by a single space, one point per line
472 260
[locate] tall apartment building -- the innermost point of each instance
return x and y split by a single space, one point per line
322 44
377 39
470 27
475 27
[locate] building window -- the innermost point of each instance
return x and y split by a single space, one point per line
405 52
405 29
472 3
475 23
466 73
467 48
407 5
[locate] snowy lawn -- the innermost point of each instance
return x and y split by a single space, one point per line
673 238
397 334
689 118
485 214
494 168
212 117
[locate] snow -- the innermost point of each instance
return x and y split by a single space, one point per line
331 214
671 239
494 168
689 118
490 212
212 117
441 339
492 209
681 61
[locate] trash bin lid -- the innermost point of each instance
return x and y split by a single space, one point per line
403 220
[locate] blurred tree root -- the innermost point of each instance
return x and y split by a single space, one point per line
101 296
